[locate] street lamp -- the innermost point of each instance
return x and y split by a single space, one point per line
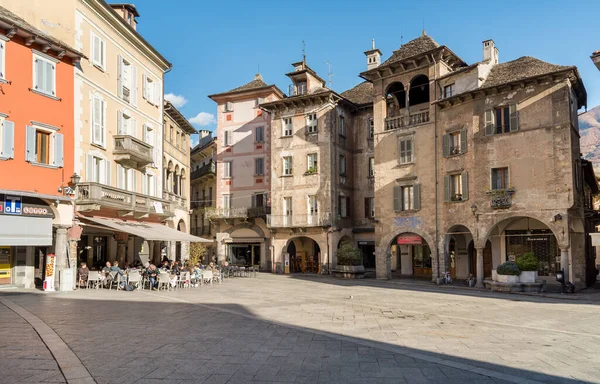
75 179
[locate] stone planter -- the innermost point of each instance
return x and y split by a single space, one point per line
350 271
507 279
528 276
494 275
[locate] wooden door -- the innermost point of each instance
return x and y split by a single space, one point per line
487 260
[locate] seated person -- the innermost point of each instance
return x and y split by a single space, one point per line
115 268
106 267
83 272
152 274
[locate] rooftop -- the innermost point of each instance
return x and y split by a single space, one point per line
179 118
414 47
361 94
522 68
256 84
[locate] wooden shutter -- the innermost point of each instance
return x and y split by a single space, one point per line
463 141
347 206
417 196
120 128
120 76
134 86
106 178
489 122
30 144
447 188
397 198
59 144
157 92
446 145
465 185
514 117
89 173
8 140
367 207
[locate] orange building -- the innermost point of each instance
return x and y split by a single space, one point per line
36 149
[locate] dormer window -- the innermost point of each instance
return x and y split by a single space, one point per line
301 87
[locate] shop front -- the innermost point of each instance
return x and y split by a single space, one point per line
411 256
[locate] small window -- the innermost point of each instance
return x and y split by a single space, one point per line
229 106
44 146
227 169
259 101
500 178
259 166
500 120
407 197
98 51
449 91
287 165
259 200
227 138
455 143
371 128
369 207
301 88
98 121
287 206
259 134
44 75
342 165
456 187
341 126
311 123
405 151
152 90
287 126
227 201
313 205
311 163
371 166
344 205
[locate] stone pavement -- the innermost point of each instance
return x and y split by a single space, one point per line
321 330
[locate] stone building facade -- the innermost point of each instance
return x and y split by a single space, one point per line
476 164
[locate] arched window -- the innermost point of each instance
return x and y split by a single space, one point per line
395 99
419 90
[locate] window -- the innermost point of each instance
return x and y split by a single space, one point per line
405 151
371 128
44 74
97 169
259 166
313 205
342 165
343 206
126 125
127 81
369 207
150 139
311 163
456 187
500 178
125 178
287 206
311 123
259 200
501 120
7 139
449 91
407 197
259 101
177 140
259 134
2 58
171 134
98 51
287 165
227 138
341 126
227 169
229 106
454 143
152 90
371 166
98 121
301 87
44 146
148 183
287 126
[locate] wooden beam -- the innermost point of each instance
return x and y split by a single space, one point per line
30 40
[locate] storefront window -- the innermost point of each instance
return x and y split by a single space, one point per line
422 256
541 242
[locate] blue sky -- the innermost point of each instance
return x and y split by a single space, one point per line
215 46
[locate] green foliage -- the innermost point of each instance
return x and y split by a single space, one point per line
348 255
508 268
527 262
197 254
311 171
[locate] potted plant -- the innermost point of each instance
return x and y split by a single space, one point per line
528 265
350 262
508 272
311 171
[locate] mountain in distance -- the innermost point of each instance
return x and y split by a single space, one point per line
589 129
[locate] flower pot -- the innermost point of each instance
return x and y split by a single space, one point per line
350 271
494 275
511 279
528 276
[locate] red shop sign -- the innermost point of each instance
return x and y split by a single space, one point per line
410 240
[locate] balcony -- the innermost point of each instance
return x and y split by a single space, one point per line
131 152
406 121
237 213
500 198
178 201
209 170
596 59
299 221
94 196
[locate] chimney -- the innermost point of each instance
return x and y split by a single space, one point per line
128 12
490 52
373 56
204 133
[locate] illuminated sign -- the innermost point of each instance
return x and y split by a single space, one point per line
410 240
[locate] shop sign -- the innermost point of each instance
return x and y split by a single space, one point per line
49 278
14 205
410 240
537 239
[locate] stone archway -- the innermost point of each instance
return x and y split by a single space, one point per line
304 254
456 250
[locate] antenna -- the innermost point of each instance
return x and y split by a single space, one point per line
303 53
329 73
401 37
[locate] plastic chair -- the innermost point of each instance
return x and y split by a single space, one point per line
93 279
164 281
135 279
207 277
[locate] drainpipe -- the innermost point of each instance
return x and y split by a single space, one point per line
435 166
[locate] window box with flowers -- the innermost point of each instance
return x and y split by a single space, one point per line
311 171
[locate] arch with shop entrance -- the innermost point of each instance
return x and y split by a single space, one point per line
514 236
411 256
244 245
304 255
457 242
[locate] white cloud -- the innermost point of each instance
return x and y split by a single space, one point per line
177 100
203 119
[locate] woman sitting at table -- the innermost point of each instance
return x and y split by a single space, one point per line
83 273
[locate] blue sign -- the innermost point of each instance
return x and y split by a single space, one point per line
410 221
12 205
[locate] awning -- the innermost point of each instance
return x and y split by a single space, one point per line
20 230
148 231
244 240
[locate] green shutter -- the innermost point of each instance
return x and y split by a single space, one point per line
463 141
489 122
465 185
417 196
514 117
397 199
446 188
446 145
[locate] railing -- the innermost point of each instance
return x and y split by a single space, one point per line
237 213
201 204
295 221
406 121
104 195
210 168
178 200
136 150
500 198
